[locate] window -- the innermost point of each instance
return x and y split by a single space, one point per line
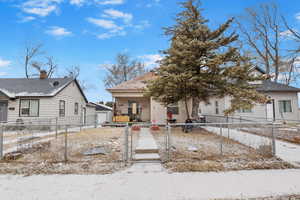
245 110
173 108
29 107
76 109
217 107
285 106
62 110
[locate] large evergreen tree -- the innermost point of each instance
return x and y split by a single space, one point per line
202 63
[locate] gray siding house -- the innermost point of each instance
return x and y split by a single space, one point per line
38 99
282 106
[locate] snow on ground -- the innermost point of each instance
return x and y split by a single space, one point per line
286 151
140 184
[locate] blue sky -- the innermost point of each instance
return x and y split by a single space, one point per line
90 33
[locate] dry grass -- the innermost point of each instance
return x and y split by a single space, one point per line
48 159
210 155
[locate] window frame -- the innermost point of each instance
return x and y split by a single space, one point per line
29 107
172 107
284 106
64 109
76 108
245 110
217 108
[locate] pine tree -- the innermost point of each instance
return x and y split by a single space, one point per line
202 63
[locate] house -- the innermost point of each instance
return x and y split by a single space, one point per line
282 104
130 101
38 99
103 112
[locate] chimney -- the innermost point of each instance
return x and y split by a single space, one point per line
43 74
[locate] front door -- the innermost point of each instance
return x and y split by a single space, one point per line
3 111
270 110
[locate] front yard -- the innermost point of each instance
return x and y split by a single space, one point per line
201 150
91 151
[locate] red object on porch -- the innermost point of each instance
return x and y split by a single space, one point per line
155 128
136 128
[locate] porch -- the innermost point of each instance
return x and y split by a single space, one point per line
137 109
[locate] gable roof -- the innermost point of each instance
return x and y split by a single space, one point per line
138 83
101 107
35 87
270 86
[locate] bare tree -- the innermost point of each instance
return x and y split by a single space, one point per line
124 70
294 34
49 66
289 70
73 71
31 52
260 29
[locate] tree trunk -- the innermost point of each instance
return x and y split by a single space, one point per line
186 108
195 107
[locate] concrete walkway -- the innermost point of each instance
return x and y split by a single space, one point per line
147 149
152 185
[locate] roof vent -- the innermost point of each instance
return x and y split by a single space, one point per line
55 83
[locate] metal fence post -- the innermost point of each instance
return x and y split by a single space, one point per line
66 144
273 141
126 144
95 120
1 142
169 141
131 144
221 140
56 128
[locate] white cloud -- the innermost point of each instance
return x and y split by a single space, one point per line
77 2
106 24
116 14
142 25
288 34
112 28
111 2
4 63
40 8
151 60
27 19
3 73
297 16
58 31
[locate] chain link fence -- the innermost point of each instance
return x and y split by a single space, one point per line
181 147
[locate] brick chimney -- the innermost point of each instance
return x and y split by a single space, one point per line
43 74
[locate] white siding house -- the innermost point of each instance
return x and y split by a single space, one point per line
283 104
42 99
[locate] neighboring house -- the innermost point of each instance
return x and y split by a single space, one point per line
41 99
130 101
283 103
103 112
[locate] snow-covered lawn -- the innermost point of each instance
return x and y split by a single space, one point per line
139 184
286 151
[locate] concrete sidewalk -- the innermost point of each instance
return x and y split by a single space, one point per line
160 185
